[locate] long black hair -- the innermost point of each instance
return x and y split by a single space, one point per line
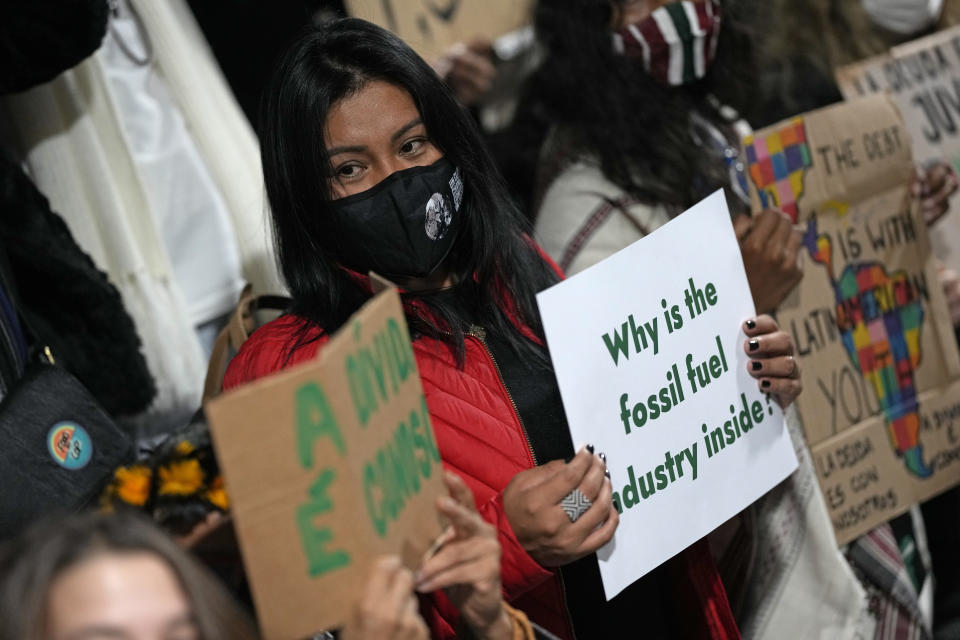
607 107
496 267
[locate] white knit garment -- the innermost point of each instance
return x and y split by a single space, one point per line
188 209
76 150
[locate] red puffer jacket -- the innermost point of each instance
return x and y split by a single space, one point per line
480 437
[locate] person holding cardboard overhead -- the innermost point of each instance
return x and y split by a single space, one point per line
371 165
180 488
116 575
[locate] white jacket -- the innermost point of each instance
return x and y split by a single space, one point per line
76 138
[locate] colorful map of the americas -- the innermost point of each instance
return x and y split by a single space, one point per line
880 317
776 162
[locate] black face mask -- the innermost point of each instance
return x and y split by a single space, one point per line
403 226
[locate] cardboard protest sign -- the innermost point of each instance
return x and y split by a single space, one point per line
923 79
648 351
869 320
431 26
328 465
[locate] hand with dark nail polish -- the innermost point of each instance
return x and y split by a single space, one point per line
770 359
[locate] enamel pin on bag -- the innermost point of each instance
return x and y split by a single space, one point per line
58 447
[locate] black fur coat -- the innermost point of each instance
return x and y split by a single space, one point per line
67 302
39 39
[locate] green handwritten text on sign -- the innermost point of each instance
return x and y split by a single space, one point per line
315 420
393 475
376 370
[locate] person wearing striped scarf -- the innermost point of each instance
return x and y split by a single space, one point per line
629 90
676 42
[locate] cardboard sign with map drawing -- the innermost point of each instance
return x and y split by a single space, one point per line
330 464
923 78
881 372
431 26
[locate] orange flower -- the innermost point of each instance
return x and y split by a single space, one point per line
217 495
133 484
184 448
180 478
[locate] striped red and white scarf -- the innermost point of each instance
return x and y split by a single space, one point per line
884 566
676 42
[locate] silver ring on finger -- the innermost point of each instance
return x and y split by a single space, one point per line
575 504
796 369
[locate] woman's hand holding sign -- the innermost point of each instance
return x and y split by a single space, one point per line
770 247
467 565
950 281
388 608
933 188
772 361
532 502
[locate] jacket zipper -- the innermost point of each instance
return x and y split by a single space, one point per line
480 334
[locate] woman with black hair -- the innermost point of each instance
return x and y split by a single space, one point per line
633 92
370 165
635 95
638 133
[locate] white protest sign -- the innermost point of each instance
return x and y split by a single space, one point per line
648 351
